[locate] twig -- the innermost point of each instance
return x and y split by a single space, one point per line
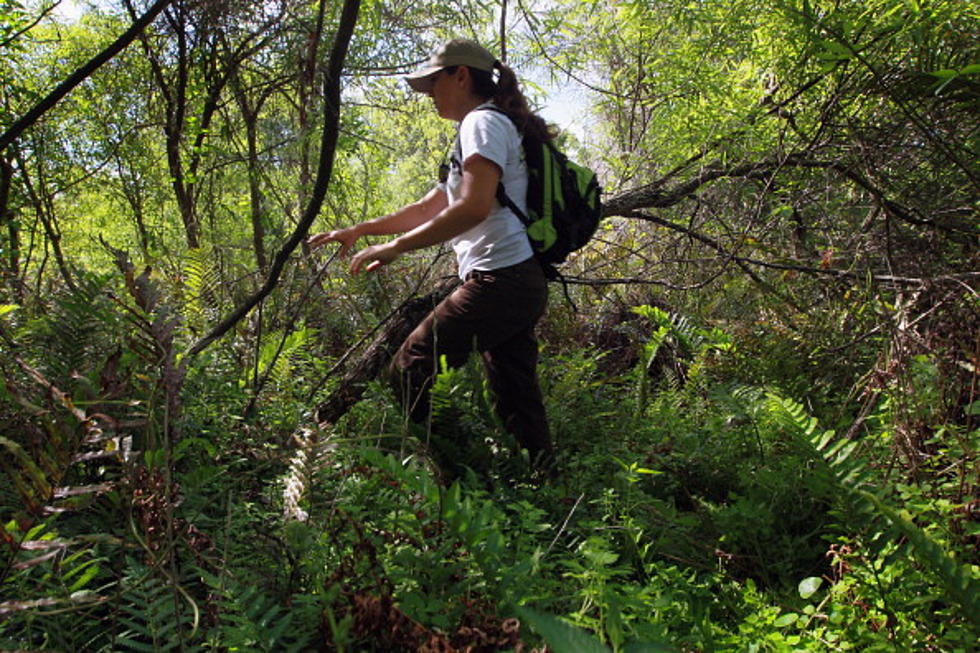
370 334
565 523
260 384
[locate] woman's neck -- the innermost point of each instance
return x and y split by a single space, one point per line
468 104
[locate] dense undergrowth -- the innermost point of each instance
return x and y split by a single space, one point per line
700 506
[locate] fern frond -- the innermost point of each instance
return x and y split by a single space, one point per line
150 616
201 277
311 452
39 476
39 472
249 619
31 482
71 331
960 584
791 415
278 353
53 575
849 474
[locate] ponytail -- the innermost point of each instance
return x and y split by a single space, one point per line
506 94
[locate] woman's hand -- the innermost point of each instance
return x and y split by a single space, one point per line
346 238
369 258
373 257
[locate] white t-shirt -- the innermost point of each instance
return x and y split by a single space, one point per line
500 240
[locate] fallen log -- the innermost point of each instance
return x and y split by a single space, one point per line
375 358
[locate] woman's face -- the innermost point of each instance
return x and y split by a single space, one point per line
440 92
450 94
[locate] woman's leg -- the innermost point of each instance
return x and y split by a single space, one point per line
512 373
495 313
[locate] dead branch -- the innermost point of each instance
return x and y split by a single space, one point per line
375 358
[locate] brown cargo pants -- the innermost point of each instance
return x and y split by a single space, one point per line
495 313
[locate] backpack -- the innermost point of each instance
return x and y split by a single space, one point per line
563 201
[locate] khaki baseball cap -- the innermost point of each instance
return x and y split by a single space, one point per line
458 52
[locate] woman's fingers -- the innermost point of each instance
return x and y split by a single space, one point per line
361 258
342 236
371 258
320 239
368 259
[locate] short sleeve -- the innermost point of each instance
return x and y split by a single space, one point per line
489 134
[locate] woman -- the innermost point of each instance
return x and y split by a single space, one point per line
504 291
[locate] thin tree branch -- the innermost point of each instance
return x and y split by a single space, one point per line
745 261
331 94
80 75
658 195
503 31
28 28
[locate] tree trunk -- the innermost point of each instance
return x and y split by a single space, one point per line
44 209
8 221
132 191
307 77
255 196
250 116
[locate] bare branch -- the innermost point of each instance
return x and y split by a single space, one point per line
657 195
80 75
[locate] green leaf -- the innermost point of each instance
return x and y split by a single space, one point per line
809 586
561 637
647 647
787 619
7 308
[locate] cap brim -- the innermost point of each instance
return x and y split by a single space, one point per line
422 80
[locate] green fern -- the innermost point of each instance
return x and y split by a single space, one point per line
462 420
51 574
678 337
52 561
79 324
29 480
849 474
40 477
279 352
960 584
650 350
151 612
201 278
249 619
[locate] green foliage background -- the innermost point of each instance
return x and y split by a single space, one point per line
764 398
